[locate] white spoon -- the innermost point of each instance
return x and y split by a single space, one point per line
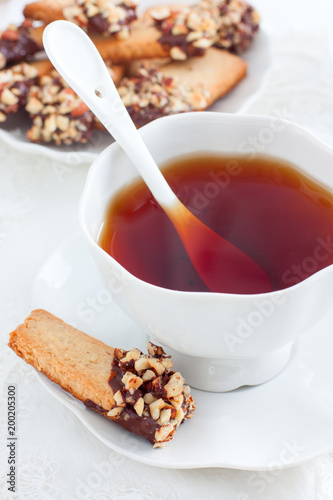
221 265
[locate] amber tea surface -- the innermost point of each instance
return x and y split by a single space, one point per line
273 212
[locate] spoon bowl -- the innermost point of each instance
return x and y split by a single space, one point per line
222 266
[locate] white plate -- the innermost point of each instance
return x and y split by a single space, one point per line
282 423
258 57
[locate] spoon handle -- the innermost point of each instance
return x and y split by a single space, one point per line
76 58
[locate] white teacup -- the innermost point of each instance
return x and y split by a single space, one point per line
218 341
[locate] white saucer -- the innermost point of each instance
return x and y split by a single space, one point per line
282 423
13 131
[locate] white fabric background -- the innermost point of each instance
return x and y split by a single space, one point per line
58 458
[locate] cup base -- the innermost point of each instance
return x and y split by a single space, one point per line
228 374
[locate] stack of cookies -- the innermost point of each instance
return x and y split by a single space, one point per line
172 59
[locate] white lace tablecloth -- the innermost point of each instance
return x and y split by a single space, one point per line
58 458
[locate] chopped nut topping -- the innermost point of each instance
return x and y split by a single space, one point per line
14 86
109 17
189 31
57 113
34 106
238 24
142 387
151 95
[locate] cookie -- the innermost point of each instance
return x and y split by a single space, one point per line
138 391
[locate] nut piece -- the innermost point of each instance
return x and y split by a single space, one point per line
34 106
167 363
177 54
50 124
156 365
165 416
180 415
139 406
7 97
148 375
202 43
175 385
141 364
131 355
63 122
131 381
156 351
119 353
163 433
177 401
155 408
115 413
149 398
179 29
119 399
160 13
